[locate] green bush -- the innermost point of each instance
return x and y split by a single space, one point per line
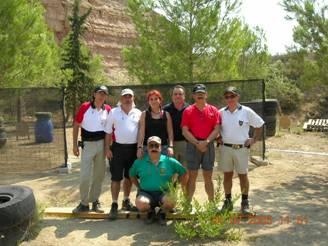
279 87
205 221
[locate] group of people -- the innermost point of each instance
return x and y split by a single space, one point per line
160 145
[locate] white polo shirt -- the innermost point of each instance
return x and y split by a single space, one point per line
235 125
125 125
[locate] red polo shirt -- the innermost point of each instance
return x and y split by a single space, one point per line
201 122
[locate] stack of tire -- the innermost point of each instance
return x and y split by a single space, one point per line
17 207
3 134
270 109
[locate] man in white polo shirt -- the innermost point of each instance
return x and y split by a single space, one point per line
91 118
236 120
124 119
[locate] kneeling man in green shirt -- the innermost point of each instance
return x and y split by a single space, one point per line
152 176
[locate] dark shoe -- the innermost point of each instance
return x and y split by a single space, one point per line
113 213
128 206
162 217
81 208
96 207
227 206
150 217
245 207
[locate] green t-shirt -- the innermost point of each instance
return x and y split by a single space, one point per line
156 178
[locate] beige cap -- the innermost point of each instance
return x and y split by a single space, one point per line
127 91
154 139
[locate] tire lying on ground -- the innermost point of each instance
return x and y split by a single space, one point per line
17 207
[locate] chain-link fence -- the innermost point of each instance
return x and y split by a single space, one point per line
252 94
31 129
32 123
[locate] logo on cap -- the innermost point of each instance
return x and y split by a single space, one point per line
199 88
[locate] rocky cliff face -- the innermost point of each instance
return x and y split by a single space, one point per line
109 29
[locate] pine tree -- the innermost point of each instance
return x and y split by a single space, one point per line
76 59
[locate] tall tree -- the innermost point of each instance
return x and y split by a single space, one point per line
76 61
311 34
186 40
29 54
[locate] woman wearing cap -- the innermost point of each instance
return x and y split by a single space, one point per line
155 122
91 118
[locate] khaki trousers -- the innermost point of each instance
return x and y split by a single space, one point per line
93 168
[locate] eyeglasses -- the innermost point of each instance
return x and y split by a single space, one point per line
153 146
230 97
177 94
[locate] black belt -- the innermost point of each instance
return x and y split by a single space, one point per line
126 145
234 146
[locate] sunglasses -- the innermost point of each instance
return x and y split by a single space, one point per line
230 97
153 146
177 94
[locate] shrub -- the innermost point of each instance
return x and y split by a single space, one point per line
279 87
205 221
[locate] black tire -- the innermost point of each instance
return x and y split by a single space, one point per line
17 204
3 137
270 123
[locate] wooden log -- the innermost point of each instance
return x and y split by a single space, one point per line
67 213
257 160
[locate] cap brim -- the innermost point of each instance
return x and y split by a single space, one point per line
202 91
232 92
106 92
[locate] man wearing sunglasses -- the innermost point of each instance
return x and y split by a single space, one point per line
235 144
152 175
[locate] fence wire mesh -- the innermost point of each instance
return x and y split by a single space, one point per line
251 91
32 129
26 145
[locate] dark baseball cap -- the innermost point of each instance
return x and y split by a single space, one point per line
231 89
102 88
199 88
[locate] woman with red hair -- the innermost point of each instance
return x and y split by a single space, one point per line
155 122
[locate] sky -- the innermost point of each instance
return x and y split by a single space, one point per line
269 15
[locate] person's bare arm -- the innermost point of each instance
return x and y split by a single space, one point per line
76 127
169 127
141 134
257 136
108 143
135 181
188 135
203 144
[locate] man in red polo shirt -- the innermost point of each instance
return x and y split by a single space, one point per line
91 118
200 126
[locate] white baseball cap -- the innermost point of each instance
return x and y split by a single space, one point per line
127 91
154 139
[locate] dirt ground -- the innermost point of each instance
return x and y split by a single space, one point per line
293 190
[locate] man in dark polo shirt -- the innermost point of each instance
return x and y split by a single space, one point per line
176 108
152 175
200 126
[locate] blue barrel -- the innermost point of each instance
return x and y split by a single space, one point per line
43 128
